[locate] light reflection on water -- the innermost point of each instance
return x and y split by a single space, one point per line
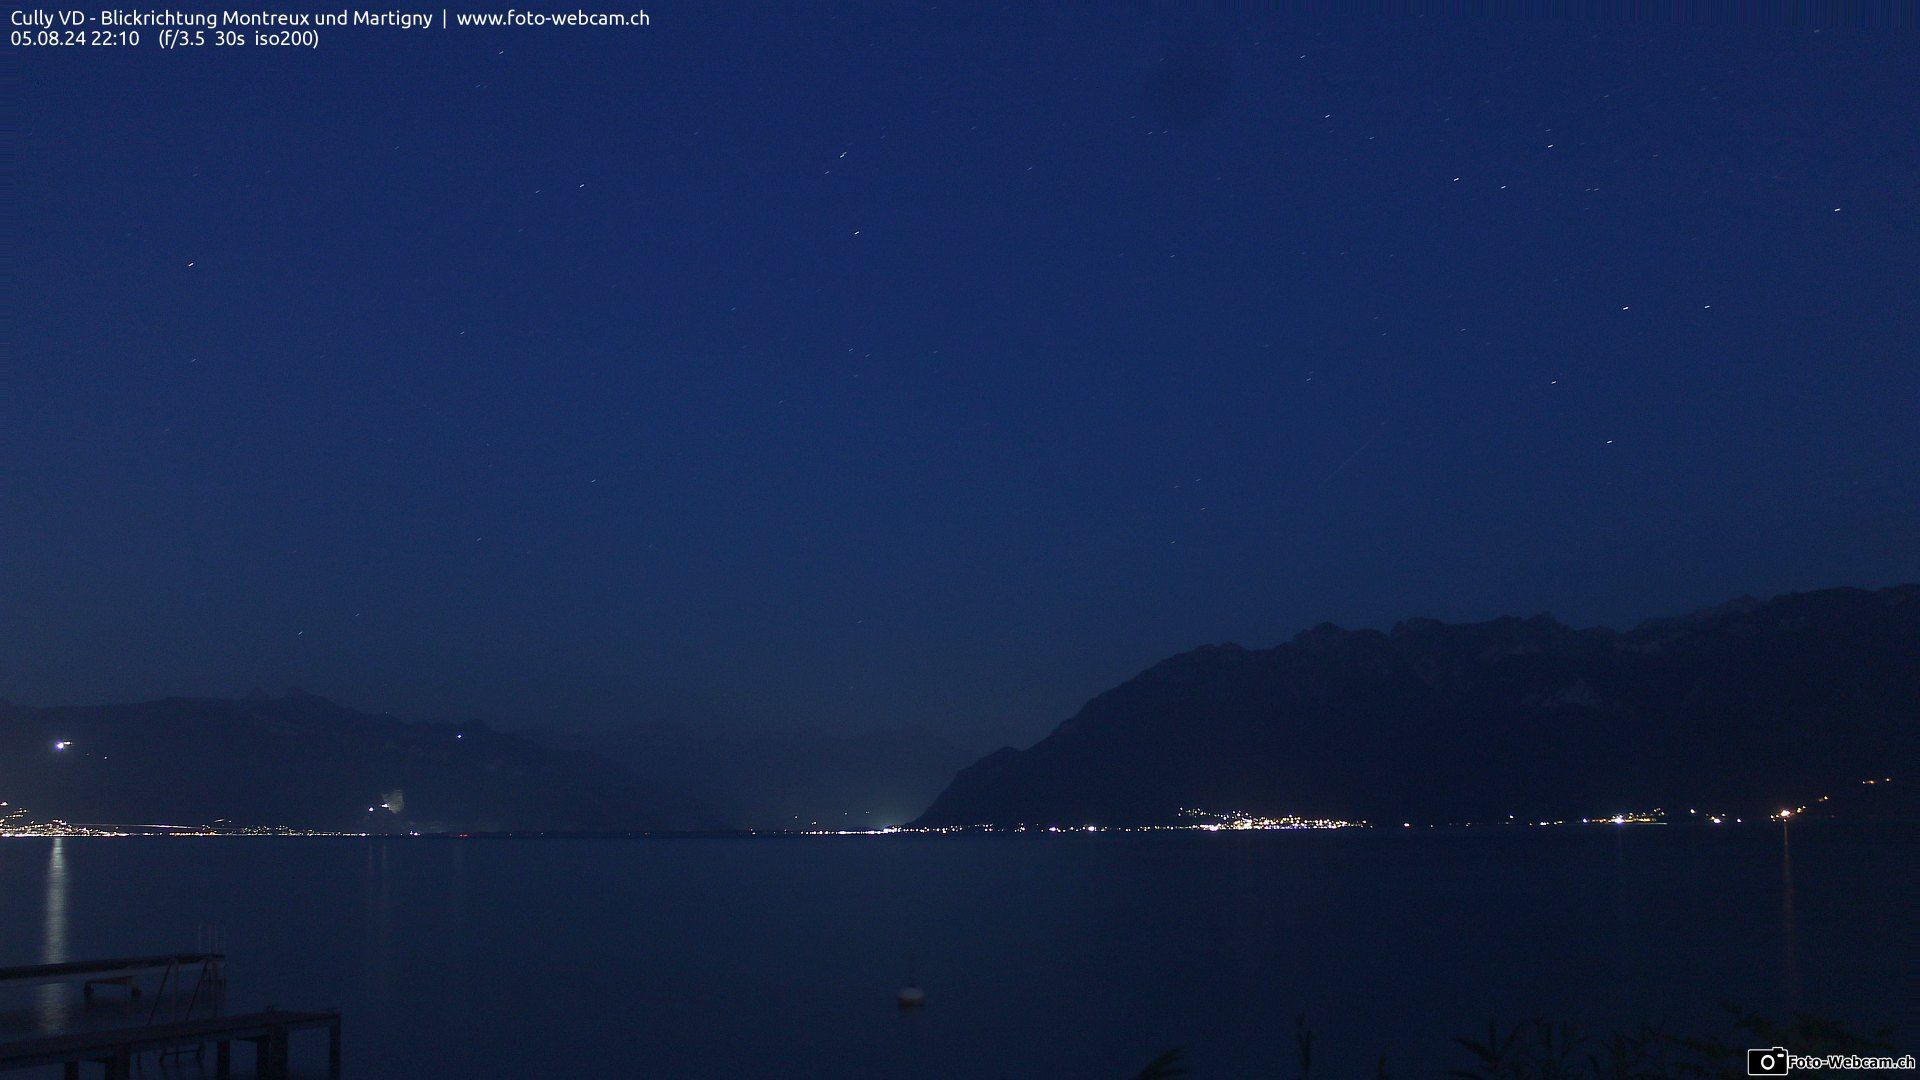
1789 934
52 1001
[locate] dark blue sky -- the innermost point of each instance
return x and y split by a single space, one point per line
794 365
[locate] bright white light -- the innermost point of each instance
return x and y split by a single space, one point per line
62 744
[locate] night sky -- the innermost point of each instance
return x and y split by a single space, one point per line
789 366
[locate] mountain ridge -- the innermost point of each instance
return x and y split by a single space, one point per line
1746 703
305 762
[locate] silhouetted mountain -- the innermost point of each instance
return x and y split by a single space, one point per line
793 780
304 762
1745 707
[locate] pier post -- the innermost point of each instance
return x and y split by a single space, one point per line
120 1052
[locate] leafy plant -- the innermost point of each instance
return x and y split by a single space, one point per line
1804 1033
1167 1066
1542 1050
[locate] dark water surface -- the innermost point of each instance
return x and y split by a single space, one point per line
1069 956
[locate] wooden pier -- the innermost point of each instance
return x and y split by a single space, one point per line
269 1032
118 971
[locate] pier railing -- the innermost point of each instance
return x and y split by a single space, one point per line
269 1032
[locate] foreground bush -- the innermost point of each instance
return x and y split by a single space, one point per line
1542 1050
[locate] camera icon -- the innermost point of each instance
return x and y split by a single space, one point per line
1768 1062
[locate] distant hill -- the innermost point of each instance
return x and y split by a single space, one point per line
305 762
792 780
1745 707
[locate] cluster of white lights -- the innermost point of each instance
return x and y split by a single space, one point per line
1203 821
15 821
1638 817
1211 821
888 831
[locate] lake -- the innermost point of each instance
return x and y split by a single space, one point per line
1047 956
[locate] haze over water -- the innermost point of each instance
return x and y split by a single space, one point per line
1068 956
